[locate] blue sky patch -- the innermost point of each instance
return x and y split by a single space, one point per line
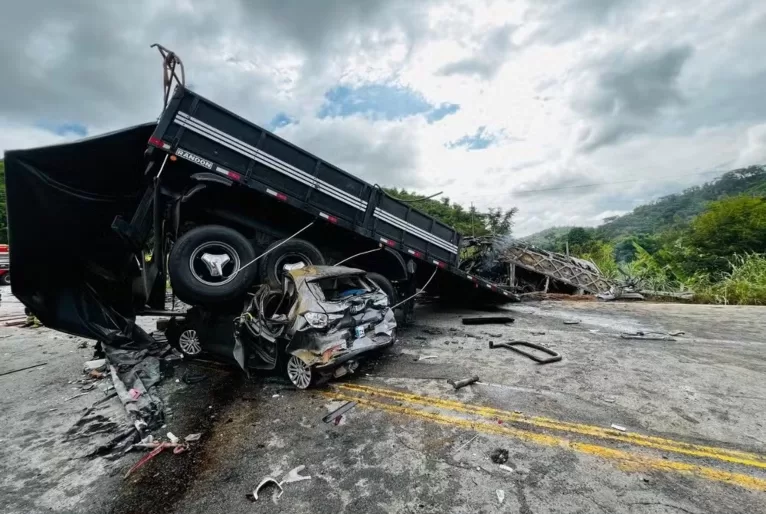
381 102
64 129
279 121
479 141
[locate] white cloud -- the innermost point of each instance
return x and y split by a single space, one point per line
639 96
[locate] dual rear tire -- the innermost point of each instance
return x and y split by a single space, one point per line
211 264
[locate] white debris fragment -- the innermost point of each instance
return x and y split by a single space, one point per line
275 396
500 495
294 475
98 364
619 427
193 437
424 357
506 468
173 438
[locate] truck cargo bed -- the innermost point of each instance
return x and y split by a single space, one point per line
198 130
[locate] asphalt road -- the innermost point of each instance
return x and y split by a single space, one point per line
692 410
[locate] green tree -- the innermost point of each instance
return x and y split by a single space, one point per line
733 226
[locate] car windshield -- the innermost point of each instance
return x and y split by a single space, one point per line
338 288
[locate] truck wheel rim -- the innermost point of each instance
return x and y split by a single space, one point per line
189 342
200 270
290 258
299 372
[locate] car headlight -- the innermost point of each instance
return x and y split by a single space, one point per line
316 319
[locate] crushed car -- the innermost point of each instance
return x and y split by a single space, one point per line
317 326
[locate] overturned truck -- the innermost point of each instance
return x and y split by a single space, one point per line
217 207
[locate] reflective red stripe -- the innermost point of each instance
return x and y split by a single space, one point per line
328 217
234 175
156 142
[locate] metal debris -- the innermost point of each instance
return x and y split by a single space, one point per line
193 437
425 357
457 384
339 411
572 322
22 369
619 427
554 356
506 468
487 320
646 337
500 495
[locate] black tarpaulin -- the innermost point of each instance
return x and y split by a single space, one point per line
69 267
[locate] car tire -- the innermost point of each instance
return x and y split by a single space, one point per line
6 279
385 285
185 339
295 250
196 281
299 372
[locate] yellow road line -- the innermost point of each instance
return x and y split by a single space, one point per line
627 460
658 443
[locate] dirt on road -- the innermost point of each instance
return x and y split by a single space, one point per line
689 434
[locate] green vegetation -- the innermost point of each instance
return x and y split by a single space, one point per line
709 239
467 222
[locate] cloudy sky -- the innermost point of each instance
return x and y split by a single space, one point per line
508 103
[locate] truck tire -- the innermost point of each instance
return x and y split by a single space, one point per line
205 265
384 284
293 251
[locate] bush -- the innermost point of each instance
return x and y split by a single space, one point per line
745 284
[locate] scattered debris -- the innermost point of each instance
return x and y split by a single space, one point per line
492 335
292 476
424 357
572 322
22 369
487 320
421 338
97 364
619 427
499 456
83 344
609 400
457 384
594 331
432 331
95 374
676 333
193 437
554 356
157 448
506 468
339 412
465 443
500 495
264 482
173 438
537 333
88 387
646 337
75 396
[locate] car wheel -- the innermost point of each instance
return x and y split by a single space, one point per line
206 264
185 339
299 372
6 279
385 285
292 252
189 343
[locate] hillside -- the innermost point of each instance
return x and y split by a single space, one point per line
546 238
670 210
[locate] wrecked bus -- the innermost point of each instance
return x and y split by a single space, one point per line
213 205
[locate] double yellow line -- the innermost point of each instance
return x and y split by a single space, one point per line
407 402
